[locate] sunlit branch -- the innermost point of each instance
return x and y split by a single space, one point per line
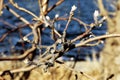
96 38
22 9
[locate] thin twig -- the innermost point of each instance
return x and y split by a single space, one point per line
97 38
78 72
94 44
73 18
4 35
7 23
81 36
22 9
55 5
17 15
24 55
92 25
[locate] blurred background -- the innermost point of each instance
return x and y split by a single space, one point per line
84 12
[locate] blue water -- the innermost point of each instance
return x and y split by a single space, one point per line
85 10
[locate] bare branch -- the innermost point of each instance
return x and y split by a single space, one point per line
22 9
24 55
17 15
43 6
97 38
55 5
1 6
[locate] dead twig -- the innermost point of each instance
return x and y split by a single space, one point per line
21 57
96 38
22 9
55 5
69 20
1 6
14 29
17 15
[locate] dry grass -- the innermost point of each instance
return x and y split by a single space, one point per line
97 70
94 69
